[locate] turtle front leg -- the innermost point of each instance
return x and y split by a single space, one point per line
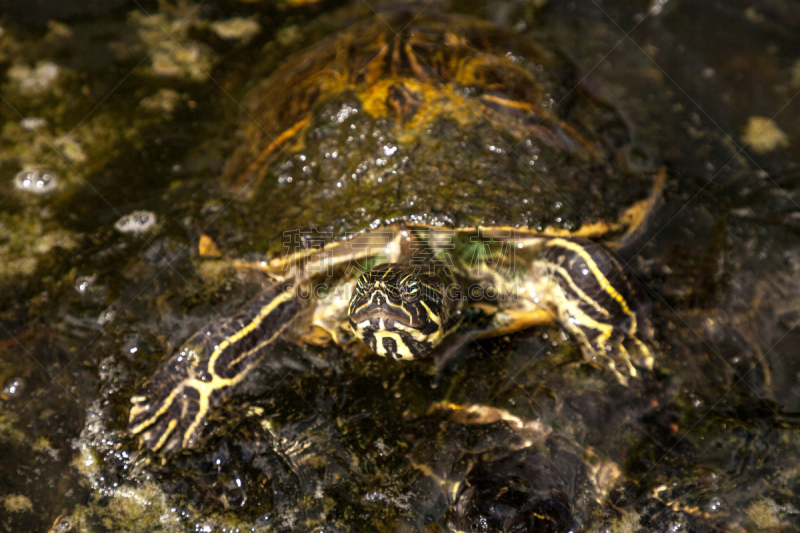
170 410
594 300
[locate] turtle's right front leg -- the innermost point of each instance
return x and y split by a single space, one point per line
169 411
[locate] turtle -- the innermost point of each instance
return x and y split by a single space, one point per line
495 192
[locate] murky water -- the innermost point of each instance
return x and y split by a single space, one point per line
118 128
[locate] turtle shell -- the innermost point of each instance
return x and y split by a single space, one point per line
437 119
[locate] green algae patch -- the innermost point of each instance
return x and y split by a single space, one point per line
24 239
174 53
765 513
17 503
763 135
238 28
627 523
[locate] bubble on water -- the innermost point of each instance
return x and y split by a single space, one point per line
84 283
32 123
715 505
137 222
344 113
62 524
374 496
13 388
677 526
37 181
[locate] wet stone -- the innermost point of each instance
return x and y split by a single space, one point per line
37 181
136 222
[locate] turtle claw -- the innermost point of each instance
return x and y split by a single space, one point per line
168 413
164 435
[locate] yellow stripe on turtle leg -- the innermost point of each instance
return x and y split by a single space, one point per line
236 337
648 356
601 279
136 409
167 432
627 358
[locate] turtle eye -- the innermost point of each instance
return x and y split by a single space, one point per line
411 291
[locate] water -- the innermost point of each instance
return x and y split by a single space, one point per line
136 110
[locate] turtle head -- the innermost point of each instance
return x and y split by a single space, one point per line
398 311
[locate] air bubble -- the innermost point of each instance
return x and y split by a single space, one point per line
13 388
32 123
715 505
84 283
344 113
37 181
136 222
